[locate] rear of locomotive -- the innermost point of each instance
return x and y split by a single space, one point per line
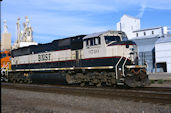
5 64
127 68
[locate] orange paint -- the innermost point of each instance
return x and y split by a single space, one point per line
5 59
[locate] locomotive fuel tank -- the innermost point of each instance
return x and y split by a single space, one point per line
48 77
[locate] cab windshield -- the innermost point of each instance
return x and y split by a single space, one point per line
110 39
124 38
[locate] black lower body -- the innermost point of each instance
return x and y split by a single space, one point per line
78 76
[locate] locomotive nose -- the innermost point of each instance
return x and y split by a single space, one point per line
133 52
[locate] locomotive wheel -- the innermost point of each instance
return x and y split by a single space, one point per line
90 83
69 79
25 81
14 81
133 82
98 84
82 84
29 82
108 84
21 81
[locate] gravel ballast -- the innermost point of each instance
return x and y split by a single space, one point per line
19 101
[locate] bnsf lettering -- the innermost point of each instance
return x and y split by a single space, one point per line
44 57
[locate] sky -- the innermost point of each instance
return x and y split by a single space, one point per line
55 19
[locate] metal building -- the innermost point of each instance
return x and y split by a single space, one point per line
146 52
163 54
145 40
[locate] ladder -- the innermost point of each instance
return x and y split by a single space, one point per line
4 72
122 69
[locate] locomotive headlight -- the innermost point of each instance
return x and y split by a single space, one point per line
132 57
132 54
127 46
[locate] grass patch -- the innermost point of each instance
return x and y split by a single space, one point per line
160 81
152 81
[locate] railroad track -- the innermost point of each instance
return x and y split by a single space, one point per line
158 95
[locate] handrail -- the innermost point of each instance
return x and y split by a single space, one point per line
5 69
117 66
6 66
123 67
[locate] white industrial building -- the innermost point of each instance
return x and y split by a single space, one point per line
163 54
25 36
128 24
153 32
5 38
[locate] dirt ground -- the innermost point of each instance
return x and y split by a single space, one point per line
160 76
160 80
19 101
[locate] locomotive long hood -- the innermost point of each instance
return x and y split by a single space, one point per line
122 43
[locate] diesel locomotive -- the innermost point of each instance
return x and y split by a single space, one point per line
105 58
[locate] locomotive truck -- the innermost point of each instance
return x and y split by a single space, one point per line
105 58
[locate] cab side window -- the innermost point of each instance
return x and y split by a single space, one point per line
97 41
87 42
93 41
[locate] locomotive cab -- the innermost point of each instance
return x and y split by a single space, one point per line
114 49
109 44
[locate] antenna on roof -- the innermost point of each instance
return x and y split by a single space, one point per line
18 30
5 27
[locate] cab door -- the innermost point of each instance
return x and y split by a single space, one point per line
78 58
76 49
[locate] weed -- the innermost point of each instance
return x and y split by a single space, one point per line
160 81
152 81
